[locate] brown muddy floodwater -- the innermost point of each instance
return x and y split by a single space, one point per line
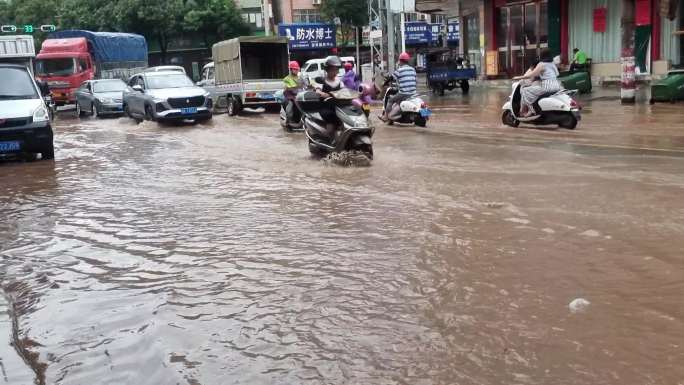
223 254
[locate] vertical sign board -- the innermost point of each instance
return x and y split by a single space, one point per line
453 31
434 32
600 16
309 36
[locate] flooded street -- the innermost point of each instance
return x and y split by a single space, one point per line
224 254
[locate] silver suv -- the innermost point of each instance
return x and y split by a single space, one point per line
165 96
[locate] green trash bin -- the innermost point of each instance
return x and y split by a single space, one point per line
669 89
580 81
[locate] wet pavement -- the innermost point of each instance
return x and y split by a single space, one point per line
224 254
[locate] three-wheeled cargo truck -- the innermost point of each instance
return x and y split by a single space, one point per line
446 72
246 72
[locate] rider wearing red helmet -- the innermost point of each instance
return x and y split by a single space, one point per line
293 84
405 76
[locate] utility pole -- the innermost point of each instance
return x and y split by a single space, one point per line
391 43
377 33
627 60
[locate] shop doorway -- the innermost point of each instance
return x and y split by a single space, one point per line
522 34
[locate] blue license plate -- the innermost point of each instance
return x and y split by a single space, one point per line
10 146
189 110
424 112
267 96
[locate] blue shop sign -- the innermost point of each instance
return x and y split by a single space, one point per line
309 36
417 32
420 32
453 31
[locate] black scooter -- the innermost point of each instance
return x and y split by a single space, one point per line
335 124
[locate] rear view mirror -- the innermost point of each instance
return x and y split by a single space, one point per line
137 87
44 88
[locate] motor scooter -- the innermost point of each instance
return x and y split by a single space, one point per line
411 111
335 124
289 109
552 108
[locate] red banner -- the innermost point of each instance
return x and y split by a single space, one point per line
600 16
643 12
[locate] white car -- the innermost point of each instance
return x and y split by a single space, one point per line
24 115
314 68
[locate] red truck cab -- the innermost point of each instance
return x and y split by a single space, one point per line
64 64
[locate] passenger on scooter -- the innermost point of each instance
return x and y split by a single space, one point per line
293 83
405 76
350 79
327 84
547 72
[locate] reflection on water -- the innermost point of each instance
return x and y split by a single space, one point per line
225 254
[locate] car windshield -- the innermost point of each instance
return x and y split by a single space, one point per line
16 84
56 67
109 86
171 80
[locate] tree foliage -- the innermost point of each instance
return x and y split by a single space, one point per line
352 13
158 20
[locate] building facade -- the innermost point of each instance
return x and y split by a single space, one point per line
504 37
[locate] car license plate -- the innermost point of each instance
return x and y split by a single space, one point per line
10 146
424 112
266 96
189 110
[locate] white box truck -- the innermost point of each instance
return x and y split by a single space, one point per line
246 72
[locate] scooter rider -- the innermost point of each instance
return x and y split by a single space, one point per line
350 79
293 84
326 84
331 81
405 76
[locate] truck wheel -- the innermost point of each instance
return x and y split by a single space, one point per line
233 106
420 121
48 152
79 111
465 86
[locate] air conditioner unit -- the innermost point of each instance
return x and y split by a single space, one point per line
316 2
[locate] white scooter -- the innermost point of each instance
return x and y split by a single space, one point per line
411 111
554 108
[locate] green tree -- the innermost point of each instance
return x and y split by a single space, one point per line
214 20
352 13
160 20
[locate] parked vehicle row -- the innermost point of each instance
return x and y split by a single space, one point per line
156 94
